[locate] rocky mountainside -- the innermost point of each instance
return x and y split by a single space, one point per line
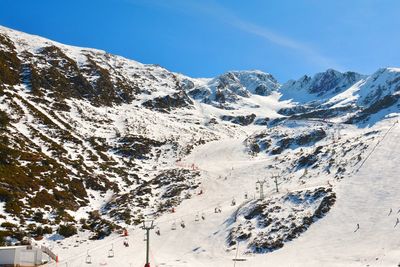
230 87
97 141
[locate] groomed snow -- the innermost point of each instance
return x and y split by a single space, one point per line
365 199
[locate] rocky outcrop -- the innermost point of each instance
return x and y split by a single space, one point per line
240 120
265 226
169 102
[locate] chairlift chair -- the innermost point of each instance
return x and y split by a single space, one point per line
111 252
88 258
173 227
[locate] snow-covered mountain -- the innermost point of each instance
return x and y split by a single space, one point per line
321 85
98 142
232 86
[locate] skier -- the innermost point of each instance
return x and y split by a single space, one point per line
233 202
125 232
203 217
390 211
183 224
357 228
158 231
126 244
397 222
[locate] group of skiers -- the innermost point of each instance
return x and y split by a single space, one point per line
390 212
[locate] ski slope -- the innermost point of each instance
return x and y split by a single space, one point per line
364 199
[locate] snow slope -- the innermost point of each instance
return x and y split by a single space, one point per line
365 198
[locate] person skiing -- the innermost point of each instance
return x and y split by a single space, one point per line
357 228
183 224
397 222
126 244
390 211
125 232
158 231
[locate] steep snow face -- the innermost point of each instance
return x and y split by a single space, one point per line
382 83
256 82
320 86
373 88
232 86
376 96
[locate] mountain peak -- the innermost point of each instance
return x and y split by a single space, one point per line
322 84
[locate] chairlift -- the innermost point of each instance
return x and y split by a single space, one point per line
173 227
111 251
88 258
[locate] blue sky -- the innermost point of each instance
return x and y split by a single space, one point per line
204 38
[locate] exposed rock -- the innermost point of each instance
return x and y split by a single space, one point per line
265 226
167 103
241 120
